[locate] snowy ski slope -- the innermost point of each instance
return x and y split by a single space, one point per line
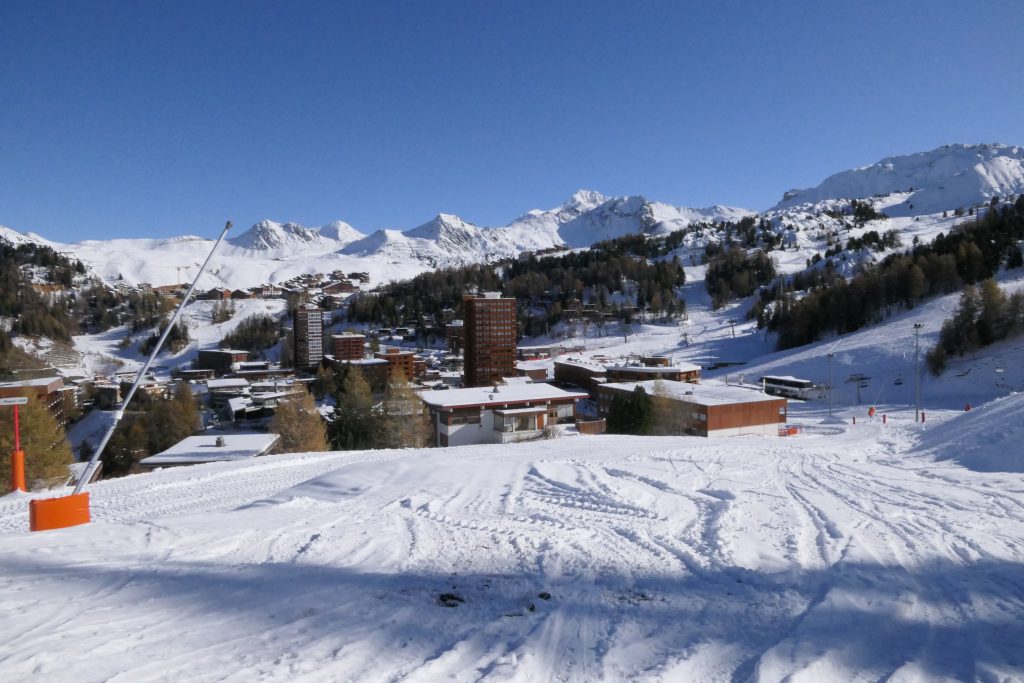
845 553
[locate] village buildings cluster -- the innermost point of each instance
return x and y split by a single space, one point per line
478 385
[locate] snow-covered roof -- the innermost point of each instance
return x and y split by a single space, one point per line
38 382
517 380
787 378
236 404
487 397
227 383
270 395
656 369
204 448
582 363
705 394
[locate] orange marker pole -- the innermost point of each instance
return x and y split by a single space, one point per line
17 458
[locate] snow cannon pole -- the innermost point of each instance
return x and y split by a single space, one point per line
118 414
18 456
65 511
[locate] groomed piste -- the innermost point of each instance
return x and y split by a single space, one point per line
845 553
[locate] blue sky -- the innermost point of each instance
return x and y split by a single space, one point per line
150 119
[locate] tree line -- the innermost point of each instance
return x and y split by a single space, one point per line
970 253
33 313
547 288
255 334
984 315
735 272
396 418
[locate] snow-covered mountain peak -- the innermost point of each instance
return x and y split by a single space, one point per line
15 238
280 238
584 200
270 235
340 231
942 179
442 225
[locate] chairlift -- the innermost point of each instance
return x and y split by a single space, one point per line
898 381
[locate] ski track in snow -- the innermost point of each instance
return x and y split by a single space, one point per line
830 556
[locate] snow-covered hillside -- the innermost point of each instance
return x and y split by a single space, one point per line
844 553
636 215
942 179
14 237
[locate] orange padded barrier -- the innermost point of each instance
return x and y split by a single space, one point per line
57 513
18 471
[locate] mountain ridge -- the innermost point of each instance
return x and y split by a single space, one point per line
942 179
930 182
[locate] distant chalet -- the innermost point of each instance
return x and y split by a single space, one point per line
498 414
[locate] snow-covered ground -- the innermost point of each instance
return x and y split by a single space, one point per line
103 353
845 553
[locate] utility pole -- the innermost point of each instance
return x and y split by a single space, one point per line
830 384
917 372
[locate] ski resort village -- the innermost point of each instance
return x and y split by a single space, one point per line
613 440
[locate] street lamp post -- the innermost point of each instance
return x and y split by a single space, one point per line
917 372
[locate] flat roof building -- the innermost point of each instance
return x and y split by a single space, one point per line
680 372
580 372
219 360
204 448
49 390
497 414
489 338
309 336
401 364
708 409
348 346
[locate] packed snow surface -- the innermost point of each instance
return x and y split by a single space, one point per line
989 439
844 553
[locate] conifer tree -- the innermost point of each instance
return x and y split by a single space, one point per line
171 421
47 453
128 444
301 428
631 413
354 423
403 422
664 415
